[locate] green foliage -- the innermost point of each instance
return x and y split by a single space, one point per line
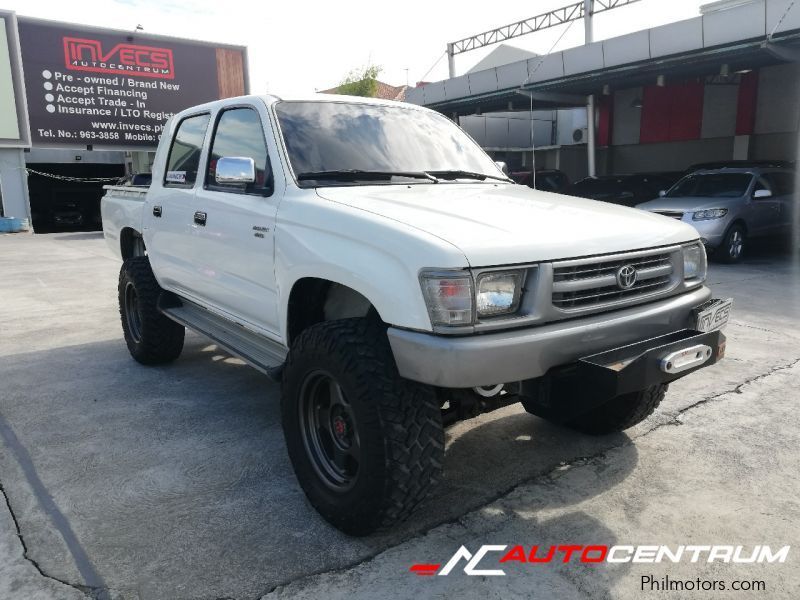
360 82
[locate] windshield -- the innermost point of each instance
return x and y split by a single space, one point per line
712 185
324 138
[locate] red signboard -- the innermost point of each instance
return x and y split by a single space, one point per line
123 59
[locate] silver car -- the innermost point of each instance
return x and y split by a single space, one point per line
730 206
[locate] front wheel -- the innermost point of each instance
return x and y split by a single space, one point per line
732 248
366 445
620 413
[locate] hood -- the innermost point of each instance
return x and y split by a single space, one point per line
509 224
687 203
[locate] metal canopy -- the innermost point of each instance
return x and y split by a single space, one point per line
570 91
553 18
742 35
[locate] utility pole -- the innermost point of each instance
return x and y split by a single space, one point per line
590 141
451 60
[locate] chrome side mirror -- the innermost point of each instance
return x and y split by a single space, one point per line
502 166
662 193
235 169
762 194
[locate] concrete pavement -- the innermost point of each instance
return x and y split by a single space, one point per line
173 482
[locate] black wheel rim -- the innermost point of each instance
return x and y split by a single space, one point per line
329 430
132 314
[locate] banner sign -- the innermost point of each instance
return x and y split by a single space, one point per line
115 90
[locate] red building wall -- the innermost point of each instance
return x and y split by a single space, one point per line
672 113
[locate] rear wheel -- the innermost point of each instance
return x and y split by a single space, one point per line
366 445
151 337
733 245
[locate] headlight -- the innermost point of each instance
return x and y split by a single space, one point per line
449 297
694 262
498 293
711 213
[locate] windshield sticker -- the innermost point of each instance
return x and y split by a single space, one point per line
176 176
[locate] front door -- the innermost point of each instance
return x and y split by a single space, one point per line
782 205
238 234
766 211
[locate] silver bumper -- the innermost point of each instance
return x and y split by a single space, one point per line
488 359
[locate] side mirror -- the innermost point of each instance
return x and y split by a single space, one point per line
235 169
502 166
762 194
662 193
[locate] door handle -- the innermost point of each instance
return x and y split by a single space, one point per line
200 218
156 211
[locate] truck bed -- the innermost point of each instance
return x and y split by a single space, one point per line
121 207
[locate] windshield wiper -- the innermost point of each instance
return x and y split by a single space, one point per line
459 174
359 174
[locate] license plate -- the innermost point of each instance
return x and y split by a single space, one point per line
713 315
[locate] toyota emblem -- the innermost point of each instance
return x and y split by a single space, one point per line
626 277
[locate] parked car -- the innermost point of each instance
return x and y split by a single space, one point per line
68 213
729 207
547 180
741 164
627 190
373 259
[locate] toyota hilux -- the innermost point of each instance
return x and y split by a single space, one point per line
371 257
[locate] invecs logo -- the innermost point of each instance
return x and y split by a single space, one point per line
123 59
597 554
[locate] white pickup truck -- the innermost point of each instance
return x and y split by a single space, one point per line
373 259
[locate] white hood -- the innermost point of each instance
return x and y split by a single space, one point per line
508 224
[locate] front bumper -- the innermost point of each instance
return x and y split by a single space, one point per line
569 391
712 231
492 358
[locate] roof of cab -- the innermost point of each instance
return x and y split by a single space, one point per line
270 100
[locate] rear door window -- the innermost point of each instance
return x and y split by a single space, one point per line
183 161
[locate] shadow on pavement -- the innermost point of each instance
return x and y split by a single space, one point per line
176 481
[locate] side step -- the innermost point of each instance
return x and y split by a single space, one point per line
257 350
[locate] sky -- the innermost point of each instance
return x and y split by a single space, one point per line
302 46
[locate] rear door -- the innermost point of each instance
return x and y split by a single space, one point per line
168 221
237 248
